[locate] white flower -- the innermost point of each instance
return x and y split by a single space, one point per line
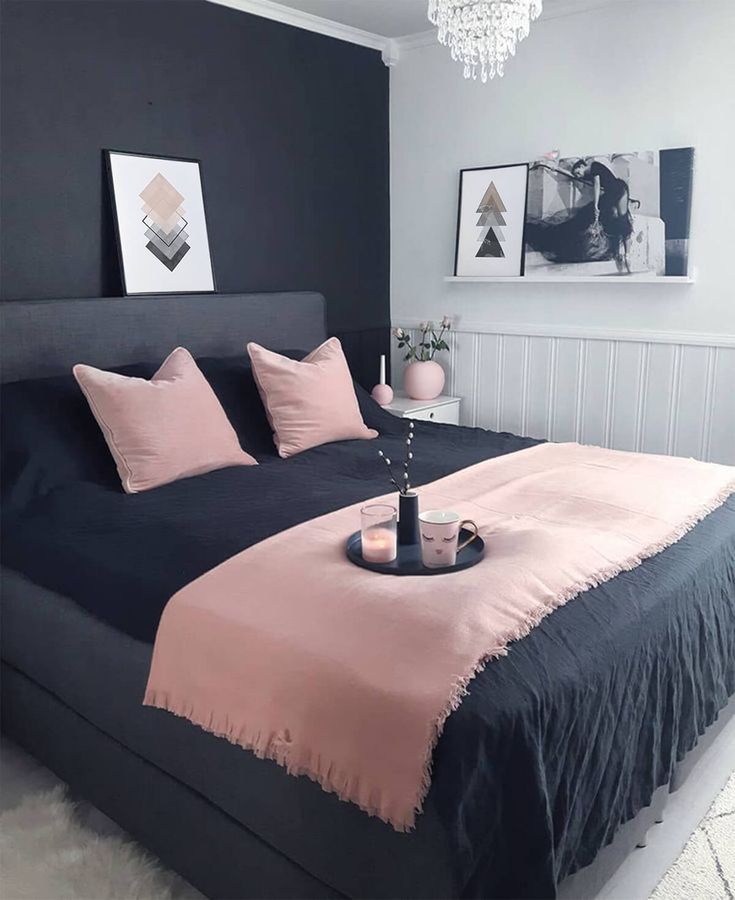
446 322
423 326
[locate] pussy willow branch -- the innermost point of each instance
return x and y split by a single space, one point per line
404 486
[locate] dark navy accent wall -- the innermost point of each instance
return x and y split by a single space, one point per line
291 128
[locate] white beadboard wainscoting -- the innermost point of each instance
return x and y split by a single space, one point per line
655 392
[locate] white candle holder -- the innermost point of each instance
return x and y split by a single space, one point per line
379 533
382 393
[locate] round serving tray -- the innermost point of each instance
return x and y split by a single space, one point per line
409 561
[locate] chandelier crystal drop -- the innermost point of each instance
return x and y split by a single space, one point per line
483 33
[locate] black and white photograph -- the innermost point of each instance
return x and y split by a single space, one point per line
490 220
160 224
619 214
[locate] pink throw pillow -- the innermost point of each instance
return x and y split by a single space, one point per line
164 429
311 402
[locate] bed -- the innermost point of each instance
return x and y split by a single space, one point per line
556 746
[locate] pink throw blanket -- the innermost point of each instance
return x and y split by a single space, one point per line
348 676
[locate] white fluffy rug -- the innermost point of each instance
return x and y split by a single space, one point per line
47 854
705 870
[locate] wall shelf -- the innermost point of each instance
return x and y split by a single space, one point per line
567 279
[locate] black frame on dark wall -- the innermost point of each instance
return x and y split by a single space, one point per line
459 213
118 241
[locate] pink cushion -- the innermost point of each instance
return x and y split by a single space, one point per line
164 429
310 402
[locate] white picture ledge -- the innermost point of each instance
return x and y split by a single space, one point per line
644 278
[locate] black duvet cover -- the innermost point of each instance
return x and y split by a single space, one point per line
556 744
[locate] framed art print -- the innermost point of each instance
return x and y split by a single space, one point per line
160 224
490 221
614 214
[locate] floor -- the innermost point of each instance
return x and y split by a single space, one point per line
684 809
706 868
21 775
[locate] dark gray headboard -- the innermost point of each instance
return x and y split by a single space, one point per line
46 337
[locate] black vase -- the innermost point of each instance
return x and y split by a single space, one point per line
408 518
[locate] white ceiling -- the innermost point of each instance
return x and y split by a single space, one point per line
396 18
385 25
388 18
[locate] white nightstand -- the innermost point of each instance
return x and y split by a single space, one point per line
442 409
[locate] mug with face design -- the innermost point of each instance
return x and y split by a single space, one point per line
440 537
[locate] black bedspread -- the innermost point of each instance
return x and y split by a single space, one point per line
556 744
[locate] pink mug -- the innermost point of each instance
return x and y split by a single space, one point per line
440 537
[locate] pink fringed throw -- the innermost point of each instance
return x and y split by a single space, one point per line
348 676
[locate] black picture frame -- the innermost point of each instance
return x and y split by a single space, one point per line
641 200
522 261
107 154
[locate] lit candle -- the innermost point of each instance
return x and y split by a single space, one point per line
379 544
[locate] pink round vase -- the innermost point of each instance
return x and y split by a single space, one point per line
382 394
423 380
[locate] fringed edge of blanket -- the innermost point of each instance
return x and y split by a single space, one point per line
274 747
461 685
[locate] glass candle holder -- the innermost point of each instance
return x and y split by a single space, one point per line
379 533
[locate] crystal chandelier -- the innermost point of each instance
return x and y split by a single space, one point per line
483 33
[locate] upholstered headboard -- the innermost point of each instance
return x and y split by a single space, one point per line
46 337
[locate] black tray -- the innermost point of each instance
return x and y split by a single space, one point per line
408 561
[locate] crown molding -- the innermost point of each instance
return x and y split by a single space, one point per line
392 48
391 52
553 9
417 40
269 9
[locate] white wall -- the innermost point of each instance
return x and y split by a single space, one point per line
639 366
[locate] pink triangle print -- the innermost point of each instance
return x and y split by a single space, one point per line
491 211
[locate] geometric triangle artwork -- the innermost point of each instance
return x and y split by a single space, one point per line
491 217
164 222
497 231
490 246
491 198
491 211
